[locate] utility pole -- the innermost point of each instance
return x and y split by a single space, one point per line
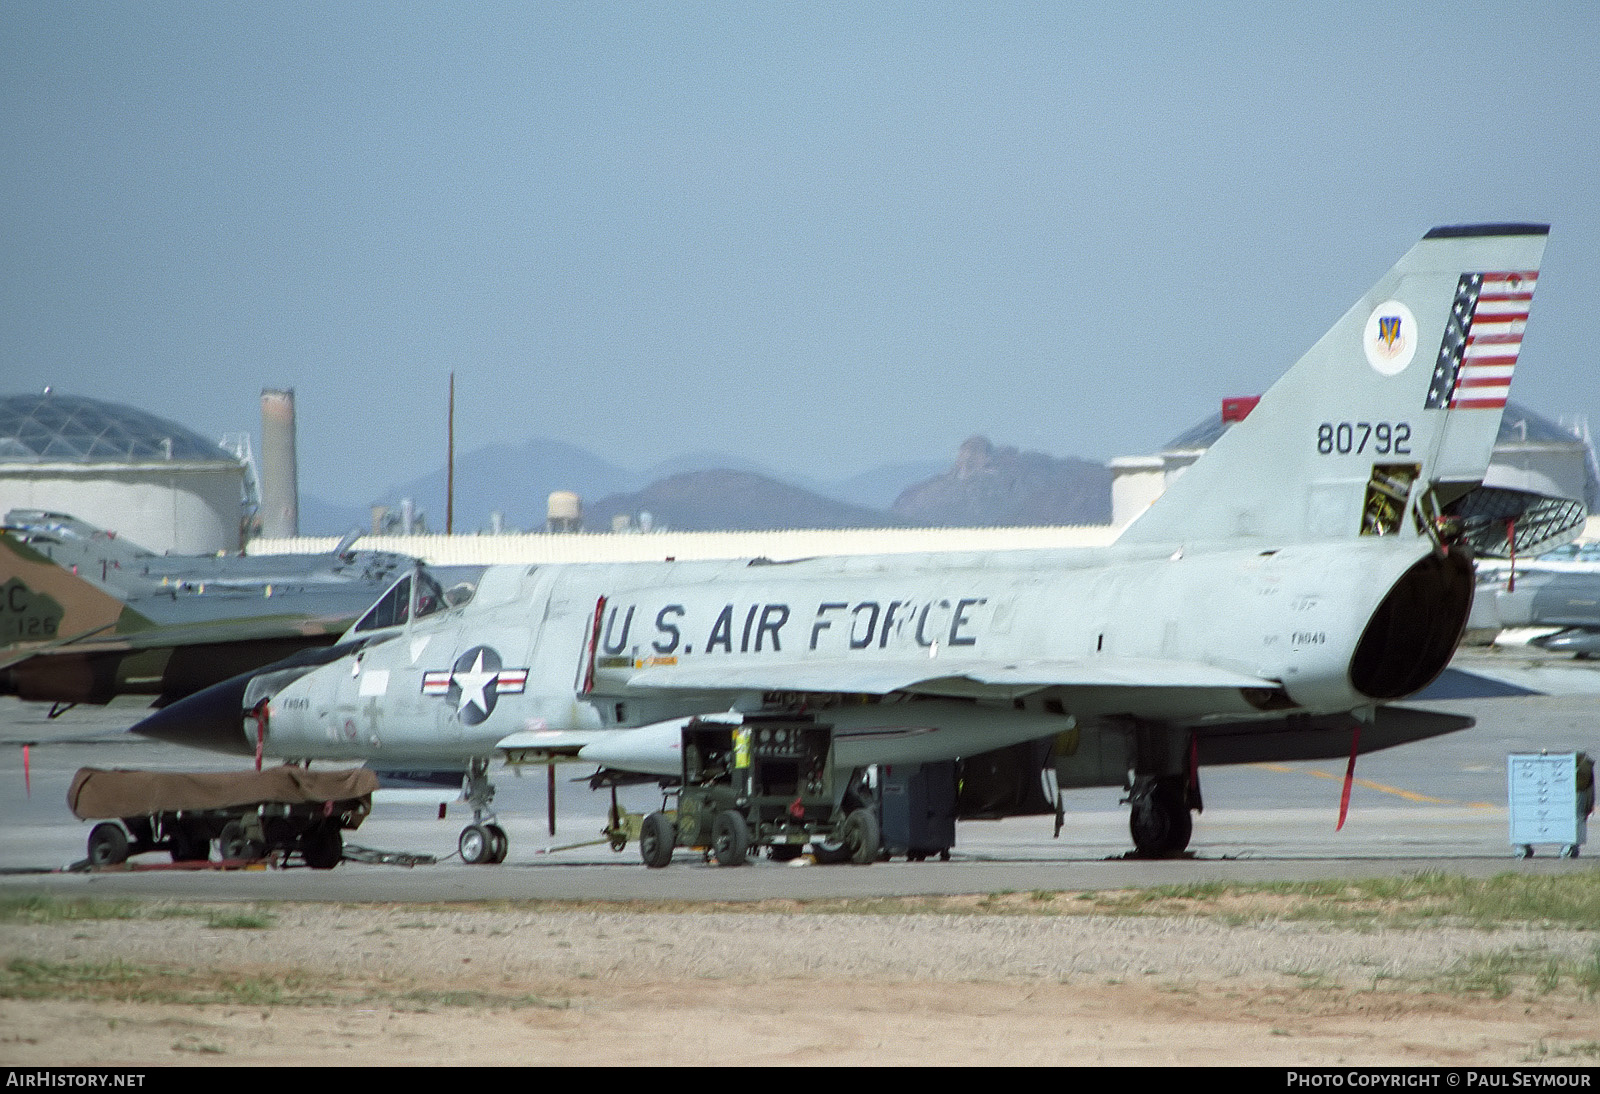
450 465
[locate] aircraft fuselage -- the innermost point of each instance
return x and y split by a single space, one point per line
1235 632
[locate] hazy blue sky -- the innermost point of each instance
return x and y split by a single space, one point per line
819 236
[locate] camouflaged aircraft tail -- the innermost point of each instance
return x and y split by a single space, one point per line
42 604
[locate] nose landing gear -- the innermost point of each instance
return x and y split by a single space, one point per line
483 841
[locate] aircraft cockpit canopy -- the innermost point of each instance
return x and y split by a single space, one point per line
399 605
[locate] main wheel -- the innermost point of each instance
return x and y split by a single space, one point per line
322 846
657 836
860 835
476 844
108 844
1161 823
730 838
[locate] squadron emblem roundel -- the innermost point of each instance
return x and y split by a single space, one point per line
1390 338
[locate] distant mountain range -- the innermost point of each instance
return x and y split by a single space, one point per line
987 485
995 487
722 500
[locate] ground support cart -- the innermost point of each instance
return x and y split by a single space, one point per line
1551 796
766 782
249 815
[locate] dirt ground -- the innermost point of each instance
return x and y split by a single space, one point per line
452 985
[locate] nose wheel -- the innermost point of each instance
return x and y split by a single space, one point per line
483 844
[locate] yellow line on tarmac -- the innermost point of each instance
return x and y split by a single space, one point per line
1408 795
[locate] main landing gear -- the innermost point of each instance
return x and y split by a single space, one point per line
483 841
1161 823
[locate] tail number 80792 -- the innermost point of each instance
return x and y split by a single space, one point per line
1383 438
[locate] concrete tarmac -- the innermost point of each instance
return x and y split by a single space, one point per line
1436 805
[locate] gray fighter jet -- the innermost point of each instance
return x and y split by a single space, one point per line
1311 569
86 615
1561 596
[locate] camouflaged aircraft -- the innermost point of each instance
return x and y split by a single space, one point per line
87 615
1311 569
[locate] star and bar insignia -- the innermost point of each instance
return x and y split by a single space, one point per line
474 684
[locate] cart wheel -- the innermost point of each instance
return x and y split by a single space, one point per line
498 843
861 836
619 840
476 845
831 851
322 846
730 838
235 844
657 836
108 844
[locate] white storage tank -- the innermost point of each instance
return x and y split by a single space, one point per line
159 483
564 512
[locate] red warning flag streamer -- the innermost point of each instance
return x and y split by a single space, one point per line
1349 775
27 779
594 644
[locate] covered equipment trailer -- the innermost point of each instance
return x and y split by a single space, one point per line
248 814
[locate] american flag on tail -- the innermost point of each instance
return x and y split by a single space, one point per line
1481 340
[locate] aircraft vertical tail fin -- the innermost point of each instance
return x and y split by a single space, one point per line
1401 397
41 603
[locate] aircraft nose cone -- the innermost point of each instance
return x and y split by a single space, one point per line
1575 640
212 719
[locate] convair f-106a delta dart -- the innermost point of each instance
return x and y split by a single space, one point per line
1313 567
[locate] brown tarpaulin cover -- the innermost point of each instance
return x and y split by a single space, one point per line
97 794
